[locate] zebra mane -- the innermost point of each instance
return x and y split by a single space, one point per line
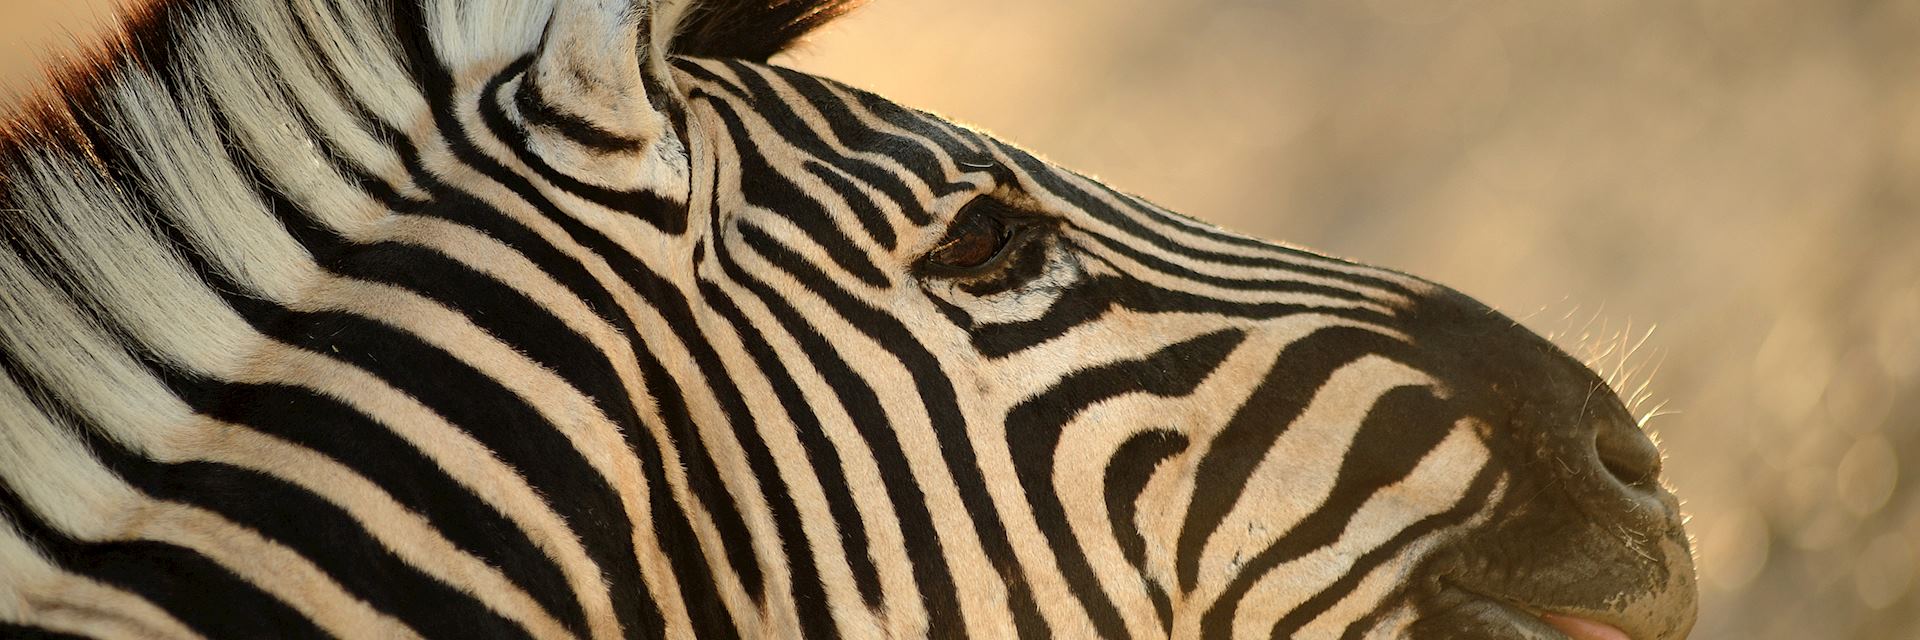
145 38
747 29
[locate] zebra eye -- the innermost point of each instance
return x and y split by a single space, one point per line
984 236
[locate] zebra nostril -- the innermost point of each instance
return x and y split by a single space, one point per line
1628 454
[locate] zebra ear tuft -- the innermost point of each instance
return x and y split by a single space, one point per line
594 104
750 29
591 57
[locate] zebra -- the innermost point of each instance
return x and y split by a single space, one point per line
579 319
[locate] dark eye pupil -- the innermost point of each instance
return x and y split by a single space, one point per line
973 240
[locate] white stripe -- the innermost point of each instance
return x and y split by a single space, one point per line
188 170
112 254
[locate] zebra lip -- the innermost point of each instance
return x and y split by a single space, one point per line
1583 628
1572 626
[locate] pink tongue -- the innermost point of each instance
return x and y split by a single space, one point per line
1584 629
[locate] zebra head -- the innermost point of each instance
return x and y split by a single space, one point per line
578 318
1046 403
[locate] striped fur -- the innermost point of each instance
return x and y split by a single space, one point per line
396 318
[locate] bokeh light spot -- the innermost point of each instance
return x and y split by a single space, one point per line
1885 570
1867 475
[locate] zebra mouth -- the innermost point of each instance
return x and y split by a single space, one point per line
1532 623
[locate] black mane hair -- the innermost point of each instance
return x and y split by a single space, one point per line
752 29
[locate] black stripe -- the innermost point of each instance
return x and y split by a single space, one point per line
200 594
911 152
22 632
369 184
824 460
699 586
330 428
326 536
765 187
495 307
1162 605
849 132
767 103
862 405
314 528
1400 429
763 470
1265 285
531 98
386 193
375 127
942 404
671 523
927 128
1047 177
1128 472
657 210
1297 375
492 415
1036 426
877 224
1194 226
275 321
1472 500
348 543
1092 298
196 591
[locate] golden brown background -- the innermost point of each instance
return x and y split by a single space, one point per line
1742 174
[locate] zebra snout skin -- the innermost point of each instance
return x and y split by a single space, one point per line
1587 540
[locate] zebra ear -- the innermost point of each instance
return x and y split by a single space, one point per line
594 60
601 57
595 103
748 29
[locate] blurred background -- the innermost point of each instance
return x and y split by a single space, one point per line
1727 191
